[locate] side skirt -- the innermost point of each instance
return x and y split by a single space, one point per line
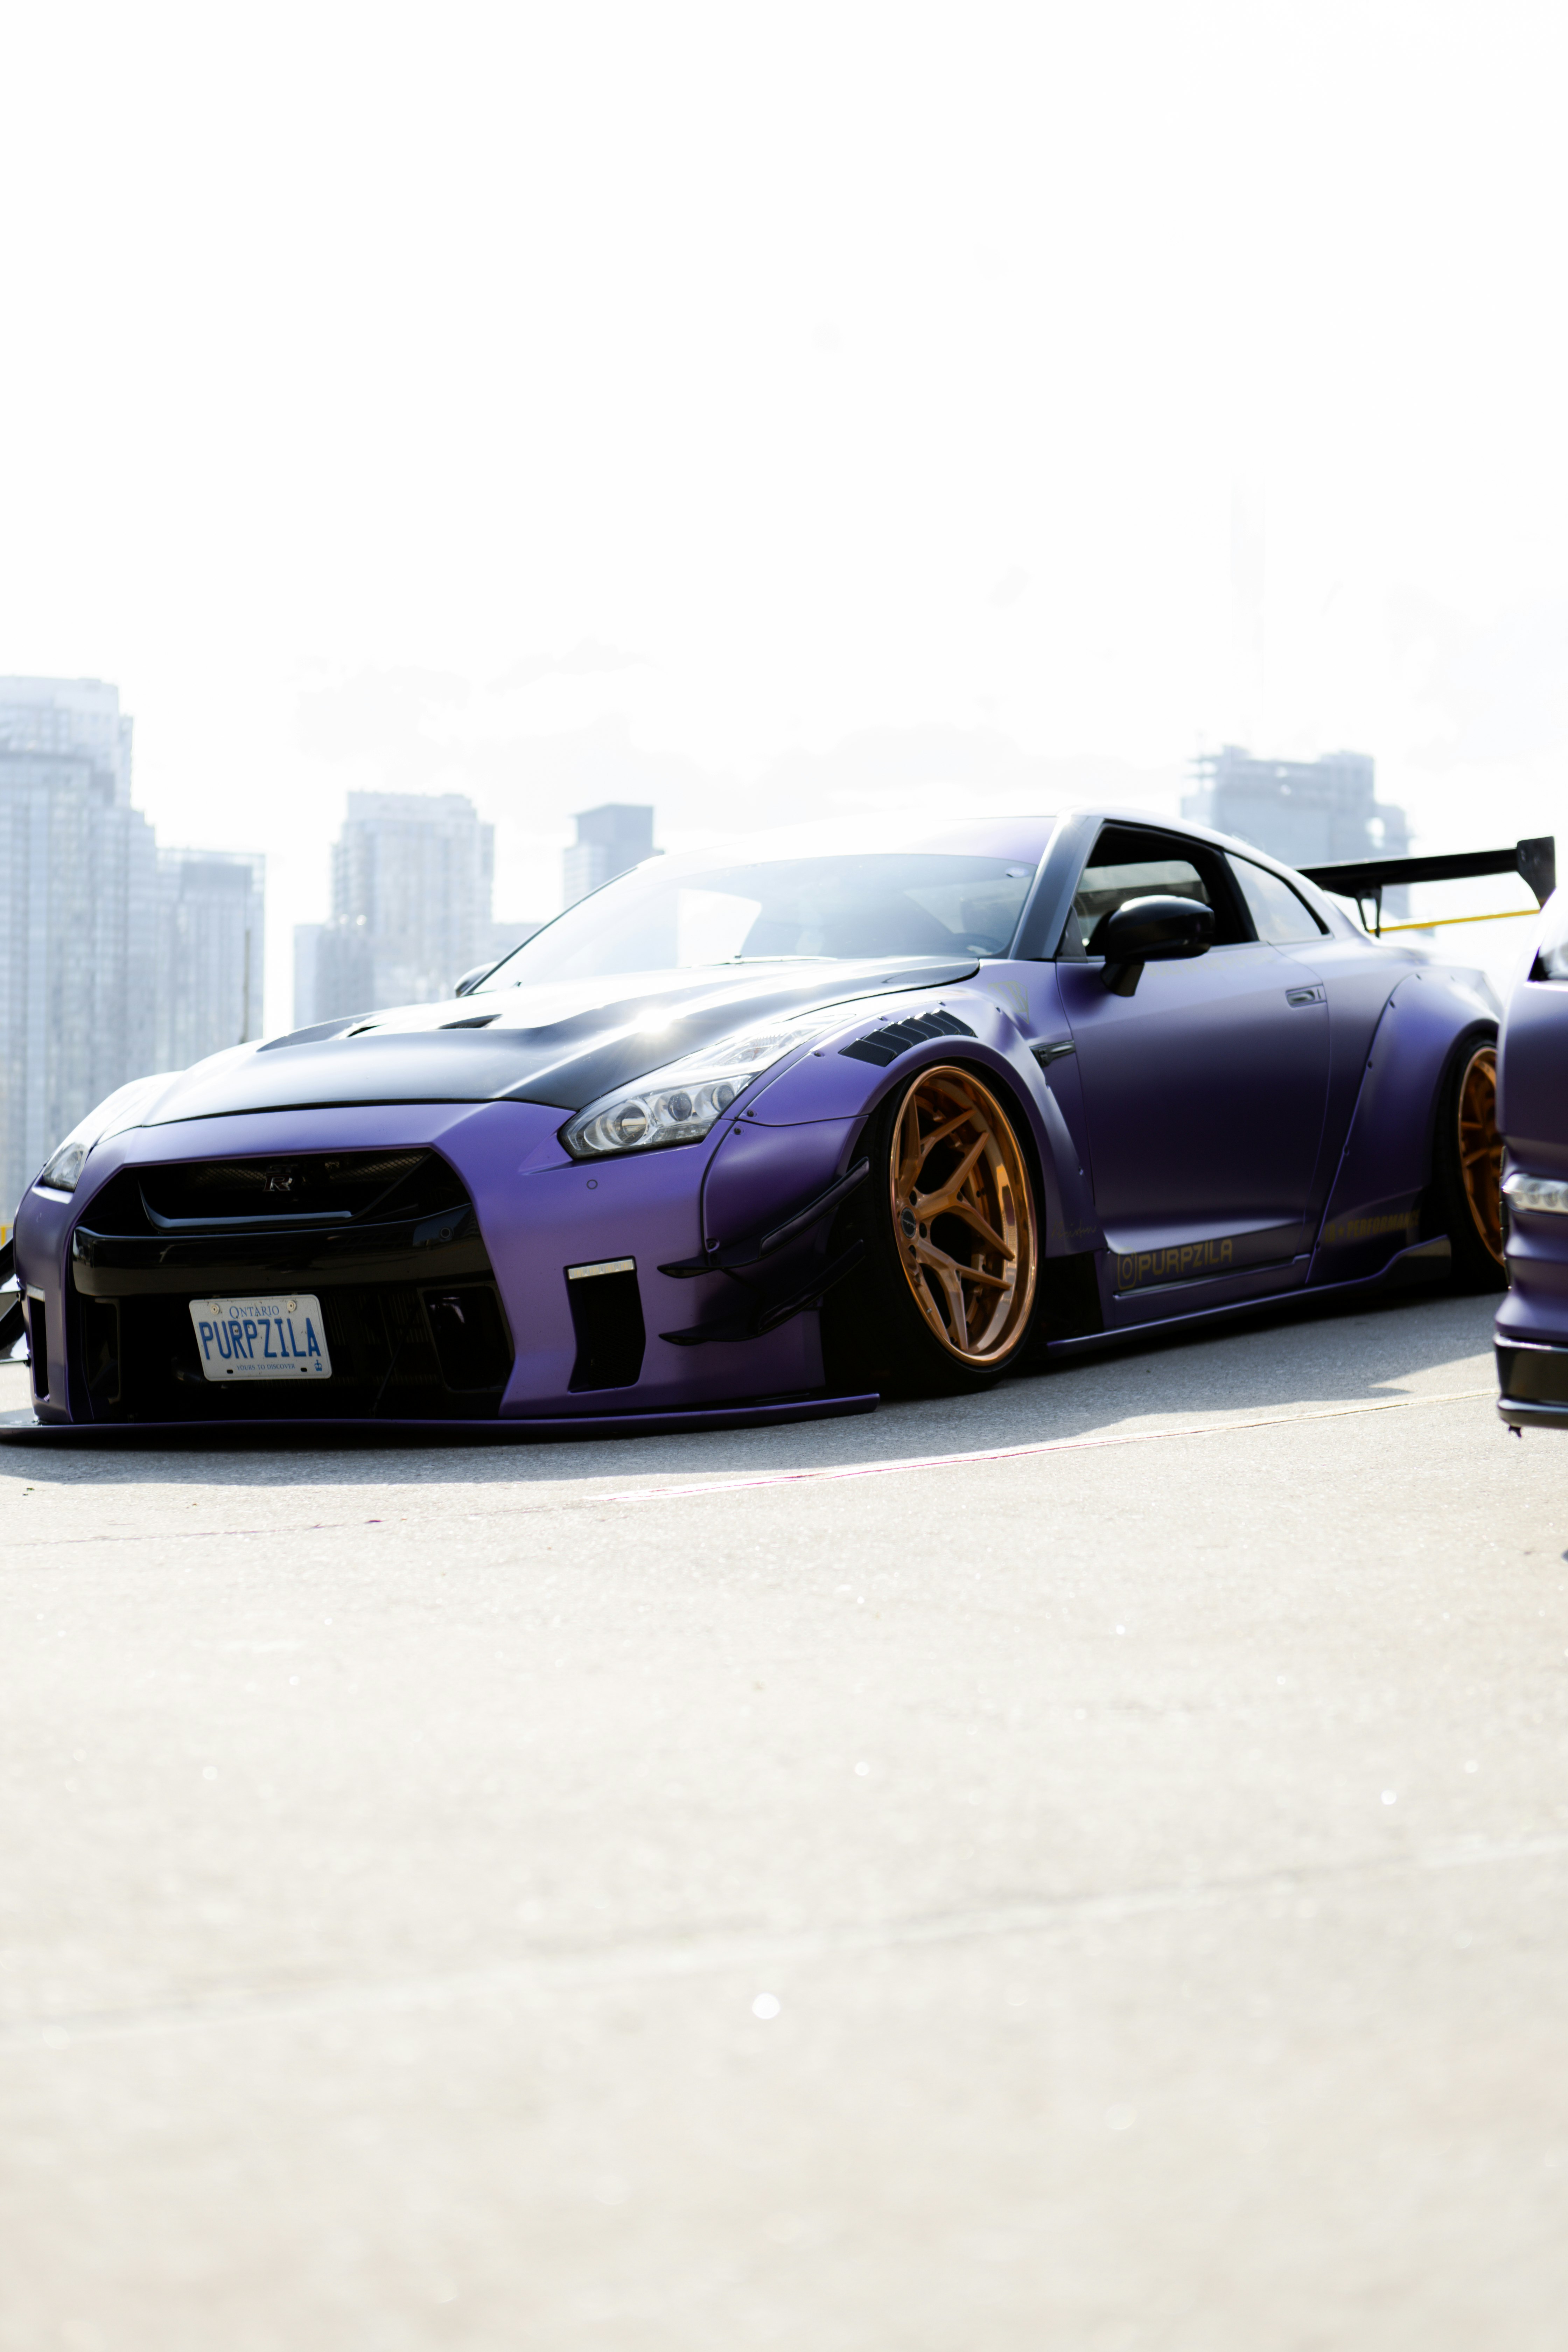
1423 1262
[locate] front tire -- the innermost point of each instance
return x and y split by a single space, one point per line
1467 1163
945 1300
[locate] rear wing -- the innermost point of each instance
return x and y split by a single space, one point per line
1366 879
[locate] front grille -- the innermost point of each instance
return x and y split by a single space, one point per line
388 1242
289 1190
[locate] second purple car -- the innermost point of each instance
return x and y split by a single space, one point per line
1532 1112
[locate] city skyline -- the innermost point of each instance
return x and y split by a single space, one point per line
330 961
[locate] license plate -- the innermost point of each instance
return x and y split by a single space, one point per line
279 1338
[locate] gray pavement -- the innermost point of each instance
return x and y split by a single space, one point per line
724 1891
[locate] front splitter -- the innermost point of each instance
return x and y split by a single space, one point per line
1521 1413
545 1430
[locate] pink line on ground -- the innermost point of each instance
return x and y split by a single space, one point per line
1040 1446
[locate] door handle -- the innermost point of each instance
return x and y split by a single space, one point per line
1305 995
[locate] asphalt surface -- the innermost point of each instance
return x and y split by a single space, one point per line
722 1891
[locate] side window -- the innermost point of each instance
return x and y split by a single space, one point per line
1282 919
1127 862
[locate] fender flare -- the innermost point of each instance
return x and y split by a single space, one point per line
1375 1203
995 1048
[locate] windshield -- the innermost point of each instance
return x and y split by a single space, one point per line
661 917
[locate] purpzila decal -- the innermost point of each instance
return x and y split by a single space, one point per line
1202 1261
1177 1264
1366 1229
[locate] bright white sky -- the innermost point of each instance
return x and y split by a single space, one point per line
770 410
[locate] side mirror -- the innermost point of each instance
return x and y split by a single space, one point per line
1160 929
476 973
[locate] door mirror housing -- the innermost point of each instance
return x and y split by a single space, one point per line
1160 929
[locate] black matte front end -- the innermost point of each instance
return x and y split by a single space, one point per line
388 1240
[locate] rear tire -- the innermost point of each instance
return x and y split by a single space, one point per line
1467 1163
945 1300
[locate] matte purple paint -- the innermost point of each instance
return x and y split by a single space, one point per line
1186 1132
1166 1074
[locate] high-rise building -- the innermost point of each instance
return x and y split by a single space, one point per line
79 890
334 972
411 906
78 716
307 974
114 960
210 938
1303 812
610 840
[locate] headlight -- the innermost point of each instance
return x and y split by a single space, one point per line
679 1104
66 1165
122 1109
1538 1192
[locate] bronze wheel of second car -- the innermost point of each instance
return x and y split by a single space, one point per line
963 1216
1465 1197
1481 1147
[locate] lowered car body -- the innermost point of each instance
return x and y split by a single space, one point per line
769 1131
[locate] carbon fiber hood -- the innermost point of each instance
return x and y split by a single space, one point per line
561 1045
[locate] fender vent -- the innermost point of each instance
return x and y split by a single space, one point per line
885 1046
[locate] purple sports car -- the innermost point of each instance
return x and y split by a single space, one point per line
768 1130
1532 1112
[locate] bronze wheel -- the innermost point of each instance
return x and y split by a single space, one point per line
1481 1147
1466 1199
963 1216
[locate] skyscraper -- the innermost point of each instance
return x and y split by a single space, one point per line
78 716
1303 812
77 917
334 971
411 906
210 938
114 960
610 840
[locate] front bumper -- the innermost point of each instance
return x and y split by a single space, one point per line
115 1296
1531 1333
